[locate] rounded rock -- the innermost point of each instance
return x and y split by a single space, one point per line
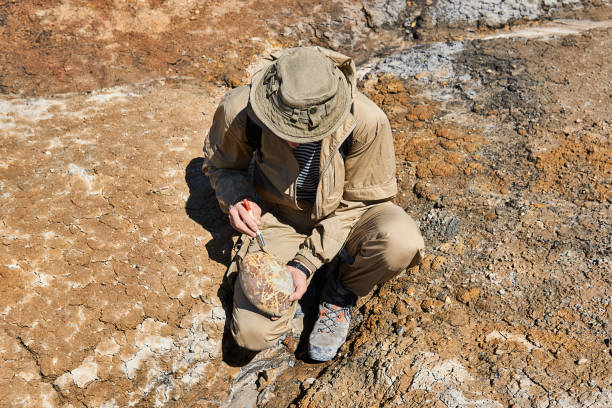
266 282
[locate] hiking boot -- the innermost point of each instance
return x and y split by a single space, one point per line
331 328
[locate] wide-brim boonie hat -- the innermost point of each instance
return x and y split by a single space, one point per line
301 97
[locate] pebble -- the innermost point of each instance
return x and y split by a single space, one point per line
430 305
467 296
183 369
422 75
307 383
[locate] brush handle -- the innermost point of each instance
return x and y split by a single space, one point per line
260 239
247 205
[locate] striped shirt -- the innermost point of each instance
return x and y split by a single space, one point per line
308 157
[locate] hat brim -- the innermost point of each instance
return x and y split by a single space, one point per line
263 112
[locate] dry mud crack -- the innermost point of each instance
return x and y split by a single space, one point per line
113 249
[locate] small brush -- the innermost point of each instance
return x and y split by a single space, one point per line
260 239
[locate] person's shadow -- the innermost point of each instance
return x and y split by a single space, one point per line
203 208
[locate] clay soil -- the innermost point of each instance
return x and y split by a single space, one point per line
113 248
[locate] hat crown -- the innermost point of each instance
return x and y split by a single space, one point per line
303 96
307 78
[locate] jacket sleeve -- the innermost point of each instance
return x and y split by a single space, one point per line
369 180
227 153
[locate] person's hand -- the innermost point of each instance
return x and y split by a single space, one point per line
241 220
299 283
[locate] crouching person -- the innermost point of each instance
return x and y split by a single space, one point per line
320 186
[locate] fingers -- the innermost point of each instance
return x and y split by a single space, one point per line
237 220
298 292
299 283
246 218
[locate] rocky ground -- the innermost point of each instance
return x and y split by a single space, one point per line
113 248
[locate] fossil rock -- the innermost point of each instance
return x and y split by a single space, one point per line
266 282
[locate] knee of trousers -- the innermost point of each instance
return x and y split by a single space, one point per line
251 336
402 243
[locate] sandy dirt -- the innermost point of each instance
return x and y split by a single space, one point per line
114 249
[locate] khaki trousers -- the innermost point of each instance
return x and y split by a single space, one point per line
384 242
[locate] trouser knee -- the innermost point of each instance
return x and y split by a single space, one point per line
403 244
250 337
384 243
253 330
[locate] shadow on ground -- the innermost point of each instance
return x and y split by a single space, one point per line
203 208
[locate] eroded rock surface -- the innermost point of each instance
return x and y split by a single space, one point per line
503 166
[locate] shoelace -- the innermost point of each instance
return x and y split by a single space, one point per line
331 316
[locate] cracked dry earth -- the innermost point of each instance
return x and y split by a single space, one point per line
108 291
113 248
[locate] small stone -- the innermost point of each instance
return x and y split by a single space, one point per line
307 383
422 75
582 361
445 247
399 331
395 87
441 296
291 343
449 145
437 263
183 369
262 380
232 78
430 305
466 296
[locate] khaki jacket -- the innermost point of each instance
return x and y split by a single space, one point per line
347 187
